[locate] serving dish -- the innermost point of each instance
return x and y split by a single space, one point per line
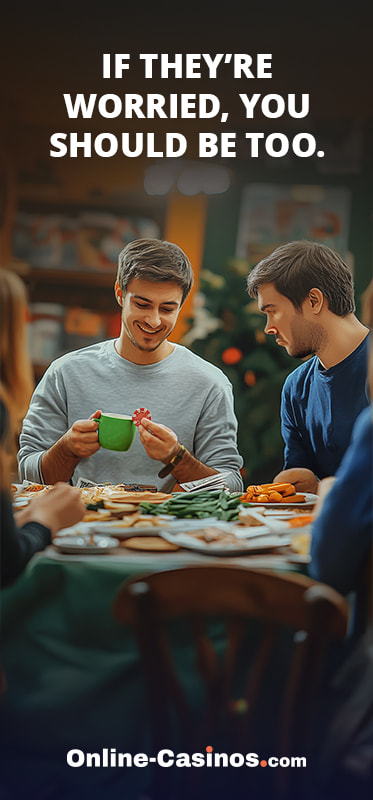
89 544
310 500
223 541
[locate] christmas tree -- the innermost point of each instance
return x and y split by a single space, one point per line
227 330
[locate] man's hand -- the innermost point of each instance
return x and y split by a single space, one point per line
59 507
302 479
82 438
80 441
160 442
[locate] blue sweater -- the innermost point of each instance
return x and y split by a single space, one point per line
342 535
319 408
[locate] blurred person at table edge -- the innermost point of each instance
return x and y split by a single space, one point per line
193 431
341 555
306 291
342 532
32 528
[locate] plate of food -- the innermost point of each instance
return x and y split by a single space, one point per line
277 495
132 525
219 539
304 500
21 492
89 544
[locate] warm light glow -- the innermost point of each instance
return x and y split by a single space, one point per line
159 179
189 178
216 180
189 181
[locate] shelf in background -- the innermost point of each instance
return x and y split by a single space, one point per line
85 288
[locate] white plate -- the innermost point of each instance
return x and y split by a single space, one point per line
244 546
310 500
111 527
84 544
18 502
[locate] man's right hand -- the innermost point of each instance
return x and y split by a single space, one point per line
302 479
80 441
82 438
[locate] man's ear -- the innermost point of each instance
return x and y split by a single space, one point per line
118 293
316 300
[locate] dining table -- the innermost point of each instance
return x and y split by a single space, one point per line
73 677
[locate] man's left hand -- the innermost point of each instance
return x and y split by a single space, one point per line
160 442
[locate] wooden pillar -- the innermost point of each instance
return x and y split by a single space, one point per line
185 226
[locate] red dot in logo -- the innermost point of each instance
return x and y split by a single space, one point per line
209 749
263 763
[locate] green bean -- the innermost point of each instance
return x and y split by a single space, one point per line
198 505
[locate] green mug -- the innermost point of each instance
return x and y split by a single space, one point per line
115 431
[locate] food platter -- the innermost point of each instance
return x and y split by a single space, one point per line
223 541
153 526
122 530
309 500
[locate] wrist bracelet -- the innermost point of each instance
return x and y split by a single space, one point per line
172 463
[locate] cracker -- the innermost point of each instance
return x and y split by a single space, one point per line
126 508
94 516
149 543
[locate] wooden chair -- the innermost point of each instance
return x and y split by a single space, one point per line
315 613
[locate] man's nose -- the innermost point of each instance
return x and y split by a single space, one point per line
152 318
270 329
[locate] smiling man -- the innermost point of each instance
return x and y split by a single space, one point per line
193 431
306 291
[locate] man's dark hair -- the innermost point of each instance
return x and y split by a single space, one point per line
154 260
297 267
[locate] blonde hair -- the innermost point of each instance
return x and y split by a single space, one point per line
16 380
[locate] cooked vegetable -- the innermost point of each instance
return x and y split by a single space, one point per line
300 522
295 498
198 505
271 493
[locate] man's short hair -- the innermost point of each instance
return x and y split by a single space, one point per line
154 260
297 267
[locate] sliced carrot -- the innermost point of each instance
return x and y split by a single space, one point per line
299 522
294 498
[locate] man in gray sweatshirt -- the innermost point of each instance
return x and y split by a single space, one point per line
193 431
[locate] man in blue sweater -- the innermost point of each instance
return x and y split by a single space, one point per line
306 291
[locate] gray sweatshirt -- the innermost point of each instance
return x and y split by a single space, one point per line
189 395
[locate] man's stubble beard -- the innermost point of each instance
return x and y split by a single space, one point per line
136 344
309 342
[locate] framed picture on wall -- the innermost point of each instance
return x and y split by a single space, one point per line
272 215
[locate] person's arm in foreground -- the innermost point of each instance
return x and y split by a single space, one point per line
33 528
342 533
